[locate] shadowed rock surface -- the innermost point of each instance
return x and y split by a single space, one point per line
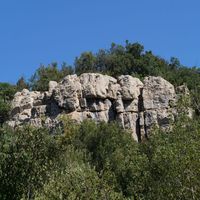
135 105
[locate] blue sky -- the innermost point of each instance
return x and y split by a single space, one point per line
42 31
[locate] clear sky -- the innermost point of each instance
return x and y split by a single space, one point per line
42 31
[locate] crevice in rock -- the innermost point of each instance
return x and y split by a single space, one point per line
139 122
112 114
138 129
52 107
140 101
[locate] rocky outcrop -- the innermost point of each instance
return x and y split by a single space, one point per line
135 105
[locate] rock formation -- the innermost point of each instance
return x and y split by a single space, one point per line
135 105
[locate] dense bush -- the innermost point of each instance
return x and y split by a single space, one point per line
7 92
115 155
174 162
100 161
35 164
76 180
26 158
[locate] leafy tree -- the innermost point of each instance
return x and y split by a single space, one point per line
116 157
7 92
21 84
4 112
174 162
174 63
85 63
40 80
76 181
32 160
135 49
26 158
66 70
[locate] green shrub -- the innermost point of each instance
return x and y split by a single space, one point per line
26 157
77 180
115 155
174 162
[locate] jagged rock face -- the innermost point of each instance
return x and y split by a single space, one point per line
159 100
134 105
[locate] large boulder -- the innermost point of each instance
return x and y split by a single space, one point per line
158 93
99 86
25 100
67 93
130 87
159 100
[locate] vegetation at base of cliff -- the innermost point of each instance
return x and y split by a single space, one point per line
99 161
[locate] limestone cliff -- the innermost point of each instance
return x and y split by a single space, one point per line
134 104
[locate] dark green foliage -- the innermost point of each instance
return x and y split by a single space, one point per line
40 80
115 155
100 161
174 162
85 63
4 112
21 84
7 92
77 180
129 59
32 160
195 95
26 158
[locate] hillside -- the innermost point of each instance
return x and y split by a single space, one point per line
146 144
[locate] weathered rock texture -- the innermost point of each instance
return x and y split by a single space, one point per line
135 105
